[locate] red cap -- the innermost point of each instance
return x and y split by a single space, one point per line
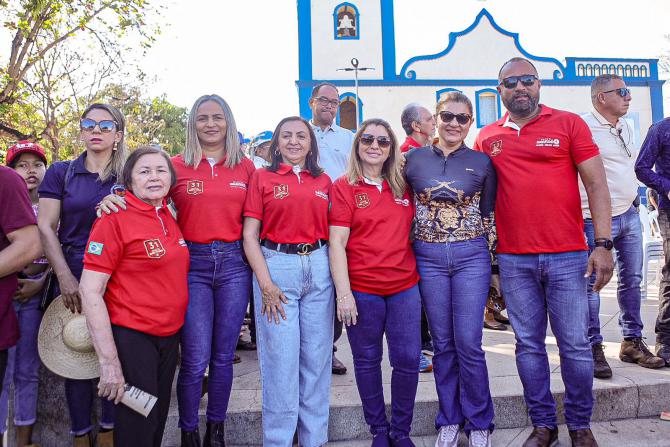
23 147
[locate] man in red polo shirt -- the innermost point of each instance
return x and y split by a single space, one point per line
542 253
419 125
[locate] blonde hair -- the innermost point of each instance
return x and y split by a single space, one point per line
115 164
391 171
193 151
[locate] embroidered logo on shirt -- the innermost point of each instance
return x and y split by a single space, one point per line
281 191
118 190
362 200
195 187
403 202
240 185
154 248
496 148
95 248
321 194
548 142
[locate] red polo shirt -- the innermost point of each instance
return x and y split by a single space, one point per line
538 207
409 144
293 207
144 252
379 256
210 199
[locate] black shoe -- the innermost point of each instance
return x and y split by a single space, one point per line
244 345
663 351
601 369
338 366
215 435
190 438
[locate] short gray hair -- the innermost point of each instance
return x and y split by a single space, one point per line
599 83
410 114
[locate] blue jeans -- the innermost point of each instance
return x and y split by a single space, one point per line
627 237
399 317
295 355
455 280
79 394
535 285
219 280
23 367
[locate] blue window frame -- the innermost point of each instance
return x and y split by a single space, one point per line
488 108
348 97
345 22
438 94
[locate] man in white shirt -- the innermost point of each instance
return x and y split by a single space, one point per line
614 137
334 148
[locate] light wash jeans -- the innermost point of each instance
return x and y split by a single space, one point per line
295 355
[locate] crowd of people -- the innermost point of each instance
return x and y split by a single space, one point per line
135 263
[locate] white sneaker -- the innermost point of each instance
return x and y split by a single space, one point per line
448 436
480 438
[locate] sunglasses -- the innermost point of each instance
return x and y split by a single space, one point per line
617 134
461 118
105 126
367 140
334 103
512 81
623 91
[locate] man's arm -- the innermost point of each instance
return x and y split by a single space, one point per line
646 159
593 176
24 247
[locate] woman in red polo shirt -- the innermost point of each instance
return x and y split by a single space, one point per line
212 179
134 294
375 277
287 210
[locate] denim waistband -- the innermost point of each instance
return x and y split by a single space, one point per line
214 245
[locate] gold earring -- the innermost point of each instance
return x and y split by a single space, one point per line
115 148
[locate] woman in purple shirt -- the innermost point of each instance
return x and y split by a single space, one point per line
69 194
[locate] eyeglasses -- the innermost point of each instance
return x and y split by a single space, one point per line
105 126
461 118
623 91
367 140
332 102
512 81
617 133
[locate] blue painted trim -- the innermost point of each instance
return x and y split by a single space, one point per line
405 74
445 90
388 39
345 95
304 40
656 93
304 93
478 93
462 82
358 23
572 63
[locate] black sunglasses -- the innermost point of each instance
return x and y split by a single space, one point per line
105 126
623 91
461 118
512 81
367 139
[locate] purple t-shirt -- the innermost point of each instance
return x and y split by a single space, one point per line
15 213
78 199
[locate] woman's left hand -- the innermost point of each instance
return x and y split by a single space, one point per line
112 385
346 309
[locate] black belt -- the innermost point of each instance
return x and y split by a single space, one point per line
294 249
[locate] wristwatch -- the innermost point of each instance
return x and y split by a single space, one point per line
605 243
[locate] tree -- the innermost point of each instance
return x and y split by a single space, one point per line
53 54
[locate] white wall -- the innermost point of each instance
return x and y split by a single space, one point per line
329 54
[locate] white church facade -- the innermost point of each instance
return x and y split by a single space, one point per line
332 32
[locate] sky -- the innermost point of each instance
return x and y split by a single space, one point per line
247 51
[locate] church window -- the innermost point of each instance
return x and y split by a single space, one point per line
345 20
487 103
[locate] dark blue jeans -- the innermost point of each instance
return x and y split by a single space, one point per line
455 280
79 394
219 280
399 317
553 284
627 237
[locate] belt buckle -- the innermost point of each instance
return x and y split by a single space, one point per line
304 249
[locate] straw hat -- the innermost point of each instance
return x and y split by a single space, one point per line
65 345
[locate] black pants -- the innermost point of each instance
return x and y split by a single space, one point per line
663 319
3 366
148 363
